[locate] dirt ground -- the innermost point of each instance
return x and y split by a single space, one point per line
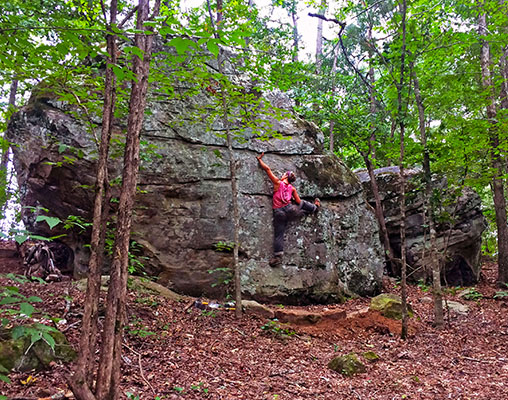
173 351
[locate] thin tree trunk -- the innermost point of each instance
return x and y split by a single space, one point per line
236 214
504 69
383 231
83 374
296 39
402 127
372 95
370 157
435 263
334 89
504 82
13 92
319 37
111 349
496 160
4 159
232 169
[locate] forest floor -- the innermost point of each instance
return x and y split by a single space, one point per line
173 351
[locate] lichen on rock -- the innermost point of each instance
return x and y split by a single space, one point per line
347 365
389 305
22 355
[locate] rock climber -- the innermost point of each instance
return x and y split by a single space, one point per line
283 208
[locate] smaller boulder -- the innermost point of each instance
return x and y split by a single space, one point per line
19 354
370 356
298 317
389 305
347 365
457 308
255 308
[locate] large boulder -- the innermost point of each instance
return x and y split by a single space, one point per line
182 217
459 226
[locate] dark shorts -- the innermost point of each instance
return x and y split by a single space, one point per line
281 217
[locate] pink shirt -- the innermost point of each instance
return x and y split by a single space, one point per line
282 197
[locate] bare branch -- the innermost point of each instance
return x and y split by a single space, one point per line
342 24
128 17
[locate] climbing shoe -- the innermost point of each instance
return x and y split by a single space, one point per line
275 261
317 203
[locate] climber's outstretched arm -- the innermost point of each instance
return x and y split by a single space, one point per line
267 169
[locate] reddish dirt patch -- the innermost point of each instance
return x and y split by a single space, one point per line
357 324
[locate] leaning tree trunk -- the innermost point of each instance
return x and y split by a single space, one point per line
495 158
370 156
380 216
435 262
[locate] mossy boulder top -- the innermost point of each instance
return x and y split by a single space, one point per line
389 305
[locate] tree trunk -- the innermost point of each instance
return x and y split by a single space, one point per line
504 81
236 214
319 37
85 364
380 216
370 156
232 170
13 92
402 127
372 96
496 160
296 38
334 89
435 262
4 158
109 375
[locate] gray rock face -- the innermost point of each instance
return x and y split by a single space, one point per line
183 208
463 239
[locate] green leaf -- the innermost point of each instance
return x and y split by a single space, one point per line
119 72
61 148
35 336
212 47
135 50
9 300
18 331
181 45
26 309
20 239
49 340
51 221
34 299
6 380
